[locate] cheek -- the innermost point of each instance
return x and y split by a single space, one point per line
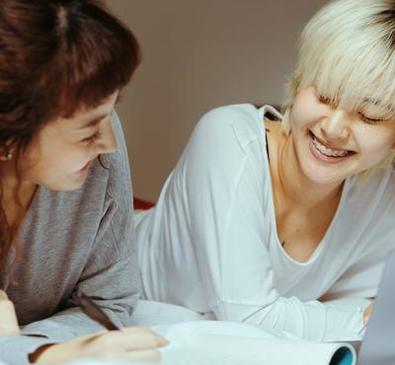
377 143
51 162
42 168
305 111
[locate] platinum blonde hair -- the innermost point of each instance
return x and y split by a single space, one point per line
347 52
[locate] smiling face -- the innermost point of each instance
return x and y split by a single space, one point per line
332 144
60 156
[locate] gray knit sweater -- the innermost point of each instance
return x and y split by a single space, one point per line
70 241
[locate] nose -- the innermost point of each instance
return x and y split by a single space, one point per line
107 142
336 126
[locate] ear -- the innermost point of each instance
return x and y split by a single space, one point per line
6 151
6 156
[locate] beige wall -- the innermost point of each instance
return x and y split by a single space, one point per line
198 55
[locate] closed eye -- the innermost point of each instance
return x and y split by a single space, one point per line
91 138
370 120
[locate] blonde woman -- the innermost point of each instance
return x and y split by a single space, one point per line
287 225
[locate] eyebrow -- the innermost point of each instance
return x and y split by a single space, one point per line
93 122
378 103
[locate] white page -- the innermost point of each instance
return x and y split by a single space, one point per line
231 343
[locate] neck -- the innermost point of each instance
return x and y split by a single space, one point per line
15 191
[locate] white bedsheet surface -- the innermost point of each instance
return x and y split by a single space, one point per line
155 313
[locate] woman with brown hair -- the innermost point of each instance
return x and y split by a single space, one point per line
65 192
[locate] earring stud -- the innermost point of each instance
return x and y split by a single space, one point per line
6 157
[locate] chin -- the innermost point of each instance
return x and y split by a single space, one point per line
319 175
326 180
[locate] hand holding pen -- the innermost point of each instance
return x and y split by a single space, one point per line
94 312
129 343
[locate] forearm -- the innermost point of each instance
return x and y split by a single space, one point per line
309 320
62 326
73 322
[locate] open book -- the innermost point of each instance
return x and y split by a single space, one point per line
231 343
197 341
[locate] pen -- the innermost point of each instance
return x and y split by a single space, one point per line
94 312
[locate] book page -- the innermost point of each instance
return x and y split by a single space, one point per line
230 343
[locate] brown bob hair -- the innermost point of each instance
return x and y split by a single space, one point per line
56 57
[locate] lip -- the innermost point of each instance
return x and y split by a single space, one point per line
326 144
327 159
86 166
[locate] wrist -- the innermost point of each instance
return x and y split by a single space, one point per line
45 354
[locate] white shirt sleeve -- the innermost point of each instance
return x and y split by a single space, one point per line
219 190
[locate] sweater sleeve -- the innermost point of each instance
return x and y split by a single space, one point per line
15 349
110 276
223 196
113 290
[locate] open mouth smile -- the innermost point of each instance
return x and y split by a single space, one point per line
328 152
86 166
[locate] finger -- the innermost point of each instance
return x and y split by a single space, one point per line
145 356
141 329
92 337
8 321
152 356
129 340
162 342
367 313
145 333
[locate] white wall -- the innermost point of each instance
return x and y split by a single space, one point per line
199 55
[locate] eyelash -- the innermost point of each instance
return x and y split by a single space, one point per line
325 100
92 138
369 120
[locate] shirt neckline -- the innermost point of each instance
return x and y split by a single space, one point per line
316 253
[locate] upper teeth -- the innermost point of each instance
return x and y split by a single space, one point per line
328 151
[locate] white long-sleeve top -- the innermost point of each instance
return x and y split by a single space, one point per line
211 244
